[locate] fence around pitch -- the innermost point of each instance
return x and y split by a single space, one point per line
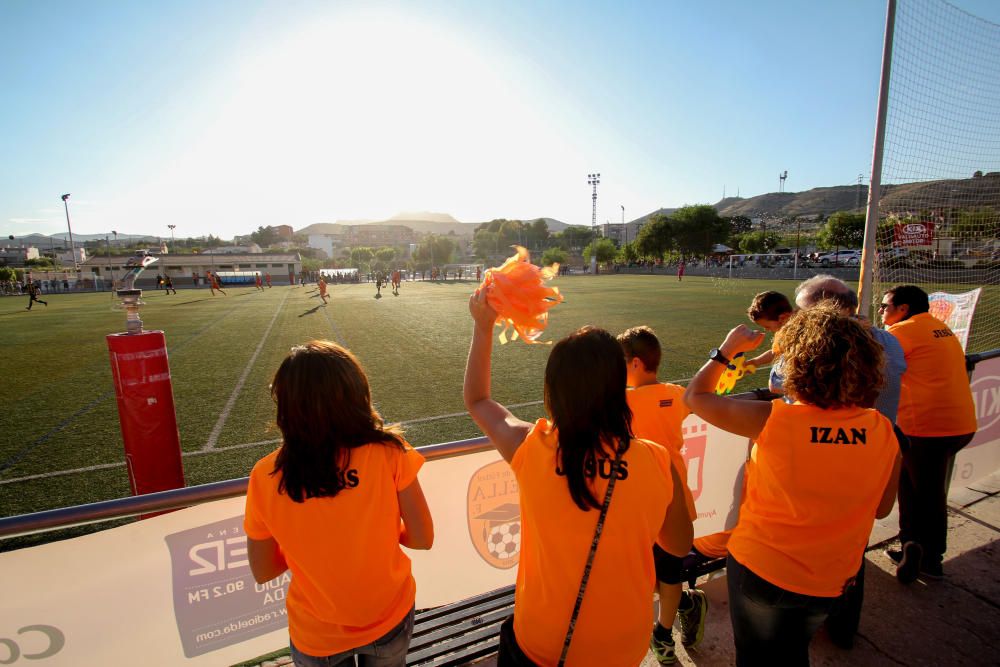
181 582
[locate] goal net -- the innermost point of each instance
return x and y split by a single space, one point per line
939 211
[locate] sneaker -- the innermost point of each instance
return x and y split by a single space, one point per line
693 618
909 563
663 649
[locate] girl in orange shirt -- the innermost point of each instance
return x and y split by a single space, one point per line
333 505
822 469
563 465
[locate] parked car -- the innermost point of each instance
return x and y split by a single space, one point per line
840 257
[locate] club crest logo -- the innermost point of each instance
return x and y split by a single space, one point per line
494 512
693 451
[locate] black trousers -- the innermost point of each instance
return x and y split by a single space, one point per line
923 492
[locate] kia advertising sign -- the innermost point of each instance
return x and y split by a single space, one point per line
911 234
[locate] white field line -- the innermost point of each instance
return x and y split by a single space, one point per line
213 437
216 450
336 330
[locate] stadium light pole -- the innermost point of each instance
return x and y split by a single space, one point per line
172 246
72 245
593 180
624 233
109 261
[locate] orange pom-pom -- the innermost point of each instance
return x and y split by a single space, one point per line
516 290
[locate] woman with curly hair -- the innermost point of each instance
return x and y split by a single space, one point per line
333 504
822 469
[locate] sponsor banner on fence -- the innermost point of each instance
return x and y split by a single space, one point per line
177 588
981 457
956 310
910 234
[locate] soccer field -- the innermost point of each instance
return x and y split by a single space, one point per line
60 442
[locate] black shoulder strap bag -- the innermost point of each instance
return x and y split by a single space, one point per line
510 654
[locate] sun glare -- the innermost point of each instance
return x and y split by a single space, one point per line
366 115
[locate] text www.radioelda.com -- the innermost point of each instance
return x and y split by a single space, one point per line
241 625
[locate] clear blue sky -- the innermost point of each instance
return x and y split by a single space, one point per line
220 116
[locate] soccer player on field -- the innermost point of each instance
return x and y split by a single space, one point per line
213 283
658 411
267 279
258 282
33 293
321 283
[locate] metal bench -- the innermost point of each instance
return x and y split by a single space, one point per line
457 633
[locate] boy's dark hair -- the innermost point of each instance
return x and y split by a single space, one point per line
769 305
641 342
912 296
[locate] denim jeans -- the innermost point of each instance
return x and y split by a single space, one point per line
386 651
771 626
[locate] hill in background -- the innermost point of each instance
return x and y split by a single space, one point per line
965 192
422 222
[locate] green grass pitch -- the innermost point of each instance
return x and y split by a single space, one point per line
60 442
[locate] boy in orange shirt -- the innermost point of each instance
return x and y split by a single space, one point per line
658 411
770 311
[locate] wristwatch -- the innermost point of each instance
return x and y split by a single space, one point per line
716 355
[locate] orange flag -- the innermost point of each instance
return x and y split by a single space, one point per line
517 291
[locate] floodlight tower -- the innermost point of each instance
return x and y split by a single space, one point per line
72 245
781 180
172 227
857 203
593 180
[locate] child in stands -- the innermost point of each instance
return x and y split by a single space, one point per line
658 410
564 465
333 504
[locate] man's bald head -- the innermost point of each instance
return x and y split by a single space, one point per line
826 288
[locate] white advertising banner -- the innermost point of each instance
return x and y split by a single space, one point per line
981 457
956 310
177 589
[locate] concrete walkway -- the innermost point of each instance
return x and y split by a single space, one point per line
951 622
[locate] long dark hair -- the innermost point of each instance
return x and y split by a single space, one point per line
324 411
585 395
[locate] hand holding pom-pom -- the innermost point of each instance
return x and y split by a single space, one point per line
517 293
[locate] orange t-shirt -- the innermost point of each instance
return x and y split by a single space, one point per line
614 622
351 581
815 479
715 545
935 399
658 412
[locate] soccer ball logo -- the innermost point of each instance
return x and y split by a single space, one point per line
494 513
504 540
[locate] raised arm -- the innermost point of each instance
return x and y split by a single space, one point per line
730 414
506 431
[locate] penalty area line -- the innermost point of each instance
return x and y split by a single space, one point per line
213 437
